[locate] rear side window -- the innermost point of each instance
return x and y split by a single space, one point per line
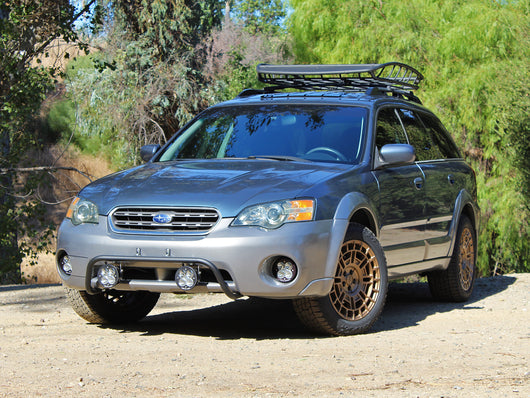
389 129
418 136
443 145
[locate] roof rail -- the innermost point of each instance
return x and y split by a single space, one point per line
392 77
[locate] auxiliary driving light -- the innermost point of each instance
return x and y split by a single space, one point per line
284 270
108 275
186 277
66 265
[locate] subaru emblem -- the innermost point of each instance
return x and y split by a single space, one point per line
162 218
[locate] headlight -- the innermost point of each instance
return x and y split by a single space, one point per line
82 211
275 214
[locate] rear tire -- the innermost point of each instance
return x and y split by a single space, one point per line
111 306
359 289
456 282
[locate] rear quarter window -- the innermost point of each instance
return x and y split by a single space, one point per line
443 146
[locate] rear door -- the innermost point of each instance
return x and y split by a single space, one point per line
437 157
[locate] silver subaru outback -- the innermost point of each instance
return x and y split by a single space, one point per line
320 188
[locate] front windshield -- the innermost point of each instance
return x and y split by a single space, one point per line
326 133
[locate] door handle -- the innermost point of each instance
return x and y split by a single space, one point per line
418 182
451 179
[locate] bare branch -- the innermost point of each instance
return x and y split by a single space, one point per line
31 54
44 168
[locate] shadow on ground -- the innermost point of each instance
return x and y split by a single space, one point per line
10 288
407 305
410 303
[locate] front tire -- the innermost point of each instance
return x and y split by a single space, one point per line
456 282
111 306
359 289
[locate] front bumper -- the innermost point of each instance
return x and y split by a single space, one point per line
241 255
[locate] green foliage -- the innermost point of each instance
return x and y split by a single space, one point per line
156 72
145 83
160 30
260 16
251 33
475 56
61 118
26 30
117 111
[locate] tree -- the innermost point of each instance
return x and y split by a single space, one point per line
475 56
166 29
27 29
263 17
252 32
146 81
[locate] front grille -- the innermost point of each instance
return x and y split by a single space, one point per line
164 219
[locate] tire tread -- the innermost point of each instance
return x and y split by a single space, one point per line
97 309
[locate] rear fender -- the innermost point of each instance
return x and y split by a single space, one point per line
464 204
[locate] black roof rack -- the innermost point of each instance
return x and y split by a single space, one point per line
392 77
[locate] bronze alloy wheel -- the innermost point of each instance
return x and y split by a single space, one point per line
357 281
466 258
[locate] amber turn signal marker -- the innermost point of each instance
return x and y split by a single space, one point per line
70 211
301 210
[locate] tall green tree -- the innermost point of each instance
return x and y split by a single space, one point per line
259 16
27 28
147 79
165 29
475 56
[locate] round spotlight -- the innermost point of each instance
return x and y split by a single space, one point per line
108 275
66 265
186 277
284 270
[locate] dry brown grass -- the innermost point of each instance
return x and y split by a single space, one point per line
58 54
65 186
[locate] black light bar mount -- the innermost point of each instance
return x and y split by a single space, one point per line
392 77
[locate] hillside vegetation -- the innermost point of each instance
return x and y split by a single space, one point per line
475 56
154 64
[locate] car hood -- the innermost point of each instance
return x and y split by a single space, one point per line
227 185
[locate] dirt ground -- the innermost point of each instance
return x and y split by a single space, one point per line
208 345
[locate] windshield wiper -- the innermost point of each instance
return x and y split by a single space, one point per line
279 157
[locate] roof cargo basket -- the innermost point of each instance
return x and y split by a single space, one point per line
392 77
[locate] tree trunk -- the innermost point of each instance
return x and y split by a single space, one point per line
9 254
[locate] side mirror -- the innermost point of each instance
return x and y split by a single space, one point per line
393 154
148 151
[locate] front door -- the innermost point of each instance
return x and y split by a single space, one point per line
401 198
402 214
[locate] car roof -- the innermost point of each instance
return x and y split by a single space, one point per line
371 98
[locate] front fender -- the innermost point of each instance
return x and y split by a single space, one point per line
346 209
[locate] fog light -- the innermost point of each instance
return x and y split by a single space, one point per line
186 277
65 265
108 275
284 270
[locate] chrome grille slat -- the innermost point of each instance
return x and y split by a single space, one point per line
183 219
